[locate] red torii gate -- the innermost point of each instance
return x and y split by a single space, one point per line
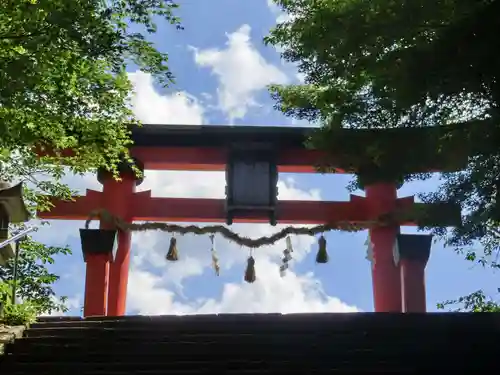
398 284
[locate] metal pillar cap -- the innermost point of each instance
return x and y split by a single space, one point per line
412 247
12 203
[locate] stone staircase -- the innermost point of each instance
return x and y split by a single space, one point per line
258 344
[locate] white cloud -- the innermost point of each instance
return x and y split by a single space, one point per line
155 285
270 293
279 14
73 303
300 77
282 17
242 72
151 107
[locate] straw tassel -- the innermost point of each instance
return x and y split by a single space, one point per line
287 257
172 254
283 269
322 256
215 260
250 271
215 263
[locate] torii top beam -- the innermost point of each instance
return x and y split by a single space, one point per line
205 147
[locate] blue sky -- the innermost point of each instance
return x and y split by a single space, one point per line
222 69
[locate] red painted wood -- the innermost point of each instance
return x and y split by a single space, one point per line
412 275
214 159
116 196
96 285
143 207
382 198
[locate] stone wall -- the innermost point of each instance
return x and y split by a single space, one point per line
8 334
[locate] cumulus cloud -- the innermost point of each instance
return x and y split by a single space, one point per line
278 12
270 293
241 71
73 303
151 107
156 286
281 17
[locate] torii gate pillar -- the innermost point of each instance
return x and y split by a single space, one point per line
106 282
117 195
386 279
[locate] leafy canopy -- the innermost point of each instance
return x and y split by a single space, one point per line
63 81
384 63
361 58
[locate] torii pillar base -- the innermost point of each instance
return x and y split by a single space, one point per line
96 285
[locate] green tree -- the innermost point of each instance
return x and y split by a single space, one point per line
474 302
381 63
34 280
64 85
63 81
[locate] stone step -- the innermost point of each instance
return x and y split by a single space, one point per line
222 334
240 342
47 370
216 350
310 360
301 352
228 366
344 321
215 329
138 364
266 342
212 330
228 339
